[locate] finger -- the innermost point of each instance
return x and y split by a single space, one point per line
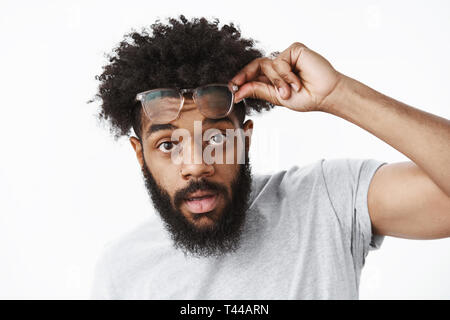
284 69
258 90
268 70
263 79
248 73
262 67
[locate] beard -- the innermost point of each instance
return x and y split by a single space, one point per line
223 236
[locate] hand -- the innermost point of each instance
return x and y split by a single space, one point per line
298 78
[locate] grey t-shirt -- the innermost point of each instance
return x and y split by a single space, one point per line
306 236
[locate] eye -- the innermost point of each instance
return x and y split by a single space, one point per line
218 138
166 146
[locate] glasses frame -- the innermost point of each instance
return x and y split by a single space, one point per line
140 97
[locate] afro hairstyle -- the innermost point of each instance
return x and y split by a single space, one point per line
179 54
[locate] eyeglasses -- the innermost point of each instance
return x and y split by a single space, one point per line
164 104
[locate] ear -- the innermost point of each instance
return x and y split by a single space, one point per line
137 146
248 130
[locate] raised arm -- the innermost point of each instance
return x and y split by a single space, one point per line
406 199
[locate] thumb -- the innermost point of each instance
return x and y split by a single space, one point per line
258 90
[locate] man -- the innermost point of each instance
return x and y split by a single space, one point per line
303 233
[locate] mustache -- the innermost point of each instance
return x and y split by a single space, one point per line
199 185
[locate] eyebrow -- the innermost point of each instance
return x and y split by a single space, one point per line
168 126
158 127
214 121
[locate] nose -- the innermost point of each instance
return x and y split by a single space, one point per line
193 165
196 171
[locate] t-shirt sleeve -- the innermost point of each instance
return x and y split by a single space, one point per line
102 287
347 182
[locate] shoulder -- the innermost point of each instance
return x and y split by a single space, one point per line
337 175
349 178
283 180
348 169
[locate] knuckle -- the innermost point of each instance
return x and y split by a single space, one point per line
265 61
281 65
278 62
267 66
253 90
272 97
261 60
297 45
285 77
277 82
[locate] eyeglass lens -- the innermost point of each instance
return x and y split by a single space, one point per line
162 106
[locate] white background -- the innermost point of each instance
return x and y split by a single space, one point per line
66 187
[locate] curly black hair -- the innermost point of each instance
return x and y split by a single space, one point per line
181 53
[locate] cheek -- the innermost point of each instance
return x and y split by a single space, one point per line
226 173
165 172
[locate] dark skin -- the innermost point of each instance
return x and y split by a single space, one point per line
407 199
156 149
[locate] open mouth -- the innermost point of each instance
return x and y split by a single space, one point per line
201 201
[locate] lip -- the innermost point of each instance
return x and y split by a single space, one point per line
207 203
200 193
